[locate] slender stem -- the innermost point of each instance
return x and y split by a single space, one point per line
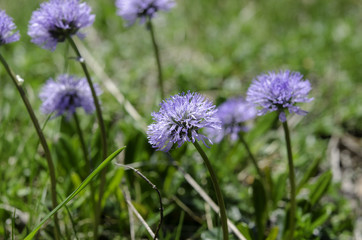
43 142
262 176
158 58
95 98
87 161
103 133
292 182
82 142
219 197
255 163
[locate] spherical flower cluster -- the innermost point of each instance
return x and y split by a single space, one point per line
279 91
180 119
233 114
58 19
130 10
66 94
6 29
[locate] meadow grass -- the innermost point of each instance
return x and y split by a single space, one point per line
210 46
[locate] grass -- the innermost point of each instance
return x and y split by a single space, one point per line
213 47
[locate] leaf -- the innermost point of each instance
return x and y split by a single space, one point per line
320 187
263 125
156 216
113 185
66 126
279 188
75 178
215 233
75 193
244 230
179 227
120 199
308 174
168 186
137 150
259 201
66 153
323 218
273 234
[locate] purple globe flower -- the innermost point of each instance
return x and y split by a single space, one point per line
279 91
56 20
66 94
180 119
233 114
130 10
7 28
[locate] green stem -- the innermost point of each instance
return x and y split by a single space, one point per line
82 142
292 182
87 161
219 197
158 58
255 163
103 133
263 179
43 142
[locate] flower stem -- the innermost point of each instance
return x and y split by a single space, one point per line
242 139
219 197
292 182
42 140
158 58
87 162
103 134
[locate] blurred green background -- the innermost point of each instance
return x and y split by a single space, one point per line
213 47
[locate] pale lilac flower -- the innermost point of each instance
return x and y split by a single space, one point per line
66 94
278 92
233 114
7 27
180 119
130 10
56 20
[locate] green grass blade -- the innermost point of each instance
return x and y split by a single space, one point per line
78 190
13 225
320 187
273 234
260 209
179 227
309 173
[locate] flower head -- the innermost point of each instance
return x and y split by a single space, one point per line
66 94
130 10
180 119
56 20
279 91
6 29
233 114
